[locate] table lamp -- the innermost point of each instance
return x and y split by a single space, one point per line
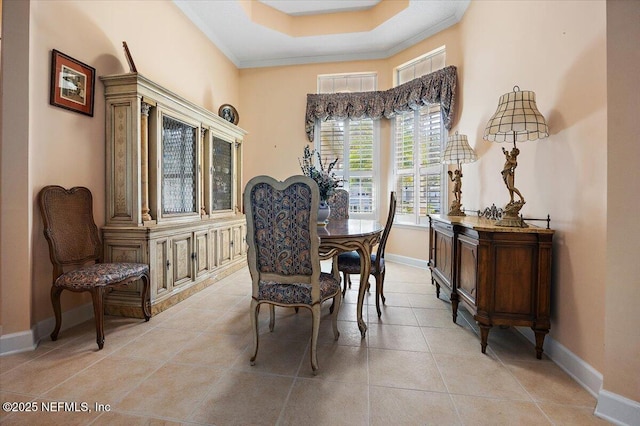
457 152
517 119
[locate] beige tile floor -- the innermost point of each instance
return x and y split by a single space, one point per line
190 365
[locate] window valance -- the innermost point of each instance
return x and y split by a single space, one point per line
436 87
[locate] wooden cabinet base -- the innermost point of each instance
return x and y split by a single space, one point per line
127 306
501 275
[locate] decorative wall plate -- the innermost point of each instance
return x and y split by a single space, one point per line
229 113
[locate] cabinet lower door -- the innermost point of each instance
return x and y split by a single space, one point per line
160 268
182 255
239 240
224 245
202 259
443 255
467 269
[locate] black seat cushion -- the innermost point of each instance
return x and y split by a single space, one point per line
350 263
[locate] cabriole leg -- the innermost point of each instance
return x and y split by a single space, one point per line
57 311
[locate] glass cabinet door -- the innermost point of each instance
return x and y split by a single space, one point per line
178 167
221 175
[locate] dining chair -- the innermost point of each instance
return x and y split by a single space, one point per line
349 263
75 251
283 253
339 204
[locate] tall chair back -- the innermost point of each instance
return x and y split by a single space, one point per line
387 228
283 255
349 263
74 242
339 204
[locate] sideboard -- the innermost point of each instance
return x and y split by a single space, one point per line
173 196
502 275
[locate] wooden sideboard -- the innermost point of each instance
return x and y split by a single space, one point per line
502 275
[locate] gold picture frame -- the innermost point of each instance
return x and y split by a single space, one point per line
229 113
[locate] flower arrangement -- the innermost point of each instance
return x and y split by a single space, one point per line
324 176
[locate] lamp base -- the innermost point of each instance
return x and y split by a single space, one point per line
511 216
455 209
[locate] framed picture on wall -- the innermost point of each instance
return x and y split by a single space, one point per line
72 84
229 113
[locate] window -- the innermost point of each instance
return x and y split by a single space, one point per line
355 143
418 143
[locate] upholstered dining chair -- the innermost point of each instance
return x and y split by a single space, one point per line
349 263
75 251
339 204
283 256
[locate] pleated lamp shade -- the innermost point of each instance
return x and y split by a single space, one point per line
517 119
458 150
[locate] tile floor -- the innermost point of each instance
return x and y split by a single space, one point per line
190 365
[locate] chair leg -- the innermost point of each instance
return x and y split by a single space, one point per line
255 310
384 299
97 294
146 311
315 314
55 301
272 317
378 278
346 279
337 301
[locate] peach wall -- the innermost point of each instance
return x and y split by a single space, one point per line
67 148
562 58
15 202
560 54
622 347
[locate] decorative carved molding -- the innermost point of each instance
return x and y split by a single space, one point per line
144 160
493 213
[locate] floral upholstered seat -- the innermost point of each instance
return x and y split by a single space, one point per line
100 274
73 243
283 257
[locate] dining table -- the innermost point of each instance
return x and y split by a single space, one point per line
344 235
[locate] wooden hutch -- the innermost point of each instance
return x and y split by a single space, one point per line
173 196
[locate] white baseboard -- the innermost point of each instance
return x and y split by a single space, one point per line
610 406
410 261
583 373
28 340
617 409
14 343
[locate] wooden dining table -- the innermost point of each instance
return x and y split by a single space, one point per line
344 235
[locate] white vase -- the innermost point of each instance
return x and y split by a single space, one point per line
323 213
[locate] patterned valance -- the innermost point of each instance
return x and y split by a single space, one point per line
436 87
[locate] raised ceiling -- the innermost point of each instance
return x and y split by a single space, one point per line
314 7
286 32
